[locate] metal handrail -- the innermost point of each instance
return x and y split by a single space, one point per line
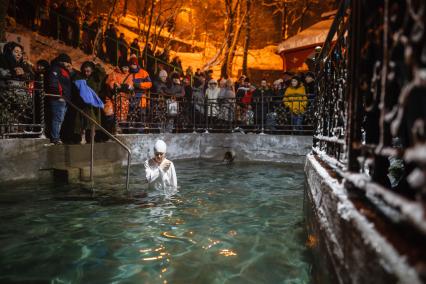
92 138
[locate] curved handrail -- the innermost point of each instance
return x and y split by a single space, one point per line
94 122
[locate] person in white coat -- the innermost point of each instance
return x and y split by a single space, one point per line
212 94
160 172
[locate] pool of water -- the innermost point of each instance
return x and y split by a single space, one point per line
228 224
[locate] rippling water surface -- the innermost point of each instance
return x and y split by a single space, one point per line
229 224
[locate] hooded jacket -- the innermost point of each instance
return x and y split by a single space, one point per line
59 81
8 63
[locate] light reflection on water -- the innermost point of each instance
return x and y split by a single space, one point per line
238 224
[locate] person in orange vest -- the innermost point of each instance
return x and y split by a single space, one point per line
141 83
119 80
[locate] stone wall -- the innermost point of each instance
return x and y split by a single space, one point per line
247 147
21 159
30 159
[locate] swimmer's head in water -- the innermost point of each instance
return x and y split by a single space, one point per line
229 157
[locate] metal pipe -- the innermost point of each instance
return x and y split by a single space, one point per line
129 152
207 115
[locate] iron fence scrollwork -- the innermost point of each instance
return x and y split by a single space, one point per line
21 108
371 106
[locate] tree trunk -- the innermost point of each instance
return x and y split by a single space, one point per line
230 34
235 40
125 8
247 39
151 15
3 14
99 35
284 23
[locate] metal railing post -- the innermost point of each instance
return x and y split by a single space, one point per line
92 150
206 107
193 114
115 118
42 112
261 105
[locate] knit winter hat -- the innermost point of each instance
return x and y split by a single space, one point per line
43 63
133 60
163 73
63 57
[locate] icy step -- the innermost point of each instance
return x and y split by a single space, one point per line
76 174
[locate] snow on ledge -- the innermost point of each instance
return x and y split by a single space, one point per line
393 261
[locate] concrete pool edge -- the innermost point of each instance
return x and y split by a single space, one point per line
34 159
353 245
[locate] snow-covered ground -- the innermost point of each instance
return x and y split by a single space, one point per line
46 48
264 59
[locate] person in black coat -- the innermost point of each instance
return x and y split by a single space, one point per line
123 48
111 44
64 23
59 84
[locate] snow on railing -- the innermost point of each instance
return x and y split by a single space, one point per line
371 106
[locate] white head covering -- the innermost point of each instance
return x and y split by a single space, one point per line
160 146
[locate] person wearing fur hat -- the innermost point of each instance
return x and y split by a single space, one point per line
160 172
59 84
120 84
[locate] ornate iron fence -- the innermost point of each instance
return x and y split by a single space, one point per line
330 133
371 109
21 108
162 113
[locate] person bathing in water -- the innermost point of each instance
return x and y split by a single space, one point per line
160 172
229 157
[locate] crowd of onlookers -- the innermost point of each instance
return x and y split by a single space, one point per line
129 94
139 91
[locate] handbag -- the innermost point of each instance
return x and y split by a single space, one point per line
172 107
